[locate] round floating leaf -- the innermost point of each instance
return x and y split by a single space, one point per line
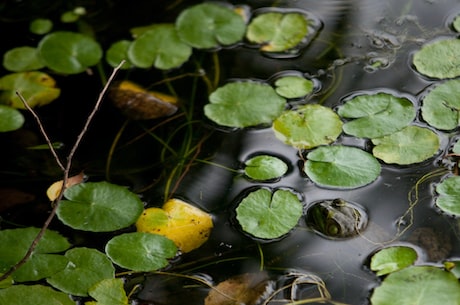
264 167
277 31
392 259
439 59
441 105
293 86
140 251
186 225
449 195
209 25
41 26
159 47
108 292
244 104
341 167
308 126
86 267
456 24
37 88
69 52
99 207
376 115
16 242
22 59
33 295
413 144
418 285
268 215
10 119
117 52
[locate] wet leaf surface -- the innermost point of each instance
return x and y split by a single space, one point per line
265 167
293 86
33 295
439 59
391 259
22 59
449 195
108 292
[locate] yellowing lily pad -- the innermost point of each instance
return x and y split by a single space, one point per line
186 225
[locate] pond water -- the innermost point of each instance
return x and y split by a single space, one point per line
362 46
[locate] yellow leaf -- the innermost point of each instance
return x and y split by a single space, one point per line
53 191
186 225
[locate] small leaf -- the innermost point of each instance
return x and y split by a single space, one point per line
418 285
293 86
99 207
449 195
186 225
10 119
392 259
86 267
53 191
244 104
412 144
159 47
268 215
118 52
265 167
308 126
33 295
141 251
69 52
376 115
210 25
109 292
341 167
41 26
441 106
439 59
37 88
22 59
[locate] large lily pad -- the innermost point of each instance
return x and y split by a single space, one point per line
99 207
441 105
37 88
341 167
159 47
268 215
449 195
418 285
439 59
376 115
244 104
69 52
22 59
33 295
10 119
413 144
210 25
308 126
86 267
141 251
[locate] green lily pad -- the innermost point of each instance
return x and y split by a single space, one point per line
33 295
141 251
41 26
453 267
86 267
22 59
108 292
244 104
36 87
268 215
99 207
210 25
159 47
449 195
341 167
418 285
265 167
118 52
439 59
413 144
10 119
277 31
456 24
308 126
69 52
441 105
376 115
392 259
293 86
16 242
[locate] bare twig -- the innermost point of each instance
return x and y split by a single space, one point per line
66 170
